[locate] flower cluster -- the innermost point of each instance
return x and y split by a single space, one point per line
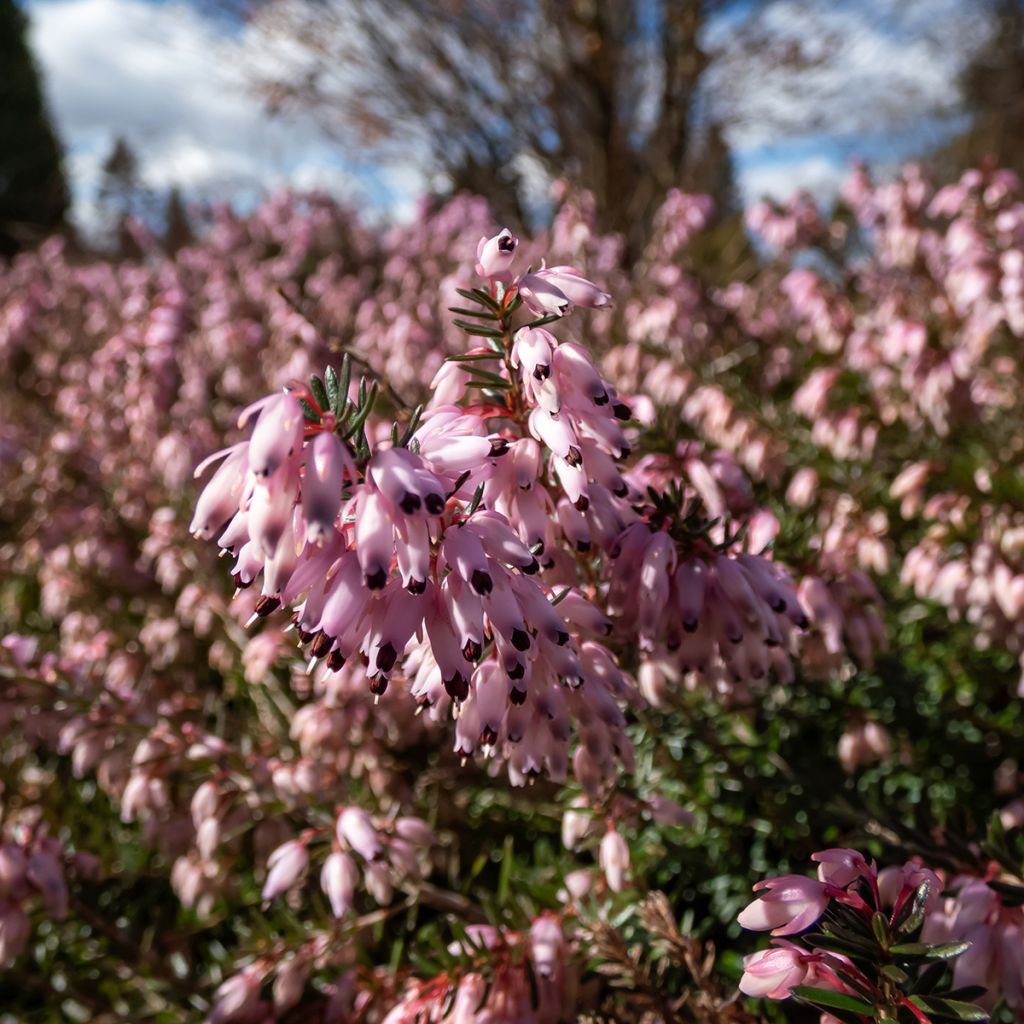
884 939
419 554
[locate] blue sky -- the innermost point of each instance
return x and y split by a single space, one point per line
168 78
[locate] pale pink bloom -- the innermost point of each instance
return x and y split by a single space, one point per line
547 947
14 932
578 883
773 973
238 998
897 884
803 488
545 288
46 873
13 870
1012 815
840 867
790 904
277 436
327 462
356 830
495 255
290 982
338 879
614 859
285 865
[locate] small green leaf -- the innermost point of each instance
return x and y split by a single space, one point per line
911 915
496 379
333 390
343 383
951 1009
478 329
478 296
316 385
507 862
477 498
923 951
473 357
880 926
413 426
834 1000
366 400
897 974
481 313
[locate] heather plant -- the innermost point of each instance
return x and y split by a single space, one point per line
557 602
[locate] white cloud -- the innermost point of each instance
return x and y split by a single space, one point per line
170 81
870 65
780 179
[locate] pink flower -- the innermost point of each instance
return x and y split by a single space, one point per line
614 859
356 830
285 865
338 879
494 255
841 867
773 973
790 904
14 929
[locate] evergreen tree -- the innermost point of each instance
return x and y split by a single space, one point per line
33 192
122 196
177 224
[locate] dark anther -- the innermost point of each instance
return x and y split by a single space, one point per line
520 639
321 645
457 687
265 605
377 580
386 657
481 582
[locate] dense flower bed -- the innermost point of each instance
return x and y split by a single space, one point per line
569 599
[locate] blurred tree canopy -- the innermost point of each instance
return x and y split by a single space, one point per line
501 101
992 88
33 192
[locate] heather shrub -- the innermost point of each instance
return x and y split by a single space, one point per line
558 602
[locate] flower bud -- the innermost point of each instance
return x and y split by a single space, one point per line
286 864
338 879
495 255
614 859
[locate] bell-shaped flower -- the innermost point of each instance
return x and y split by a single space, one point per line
789 904
494 255
773 973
